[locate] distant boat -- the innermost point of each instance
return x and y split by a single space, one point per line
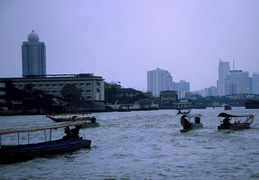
191 121
90 125
240 121
22 152
183 111
252 105
227 107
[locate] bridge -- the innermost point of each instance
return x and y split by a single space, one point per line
232 100
244 96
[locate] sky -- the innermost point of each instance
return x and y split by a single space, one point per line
121 40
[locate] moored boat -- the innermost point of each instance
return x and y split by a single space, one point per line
21 152
191 121
239 122
252 105
227 107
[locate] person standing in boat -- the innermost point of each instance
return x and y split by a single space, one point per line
197 120
226 122
93 120
67 132
75 132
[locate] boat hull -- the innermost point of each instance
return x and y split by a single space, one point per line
10 154
235 126
69 119
90 125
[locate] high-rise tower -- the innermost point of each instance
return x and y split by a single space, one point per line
223 73
159 80
33 56
224 69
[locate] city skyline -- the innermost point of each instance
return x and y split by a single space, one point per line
122 40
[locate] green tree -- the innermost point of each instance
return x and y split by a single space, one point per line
71 94
111 92
29 102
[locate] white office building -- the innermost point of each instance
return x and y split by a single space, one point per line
92 87
158 80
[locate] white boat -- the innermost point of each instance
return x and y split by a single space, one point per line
191 121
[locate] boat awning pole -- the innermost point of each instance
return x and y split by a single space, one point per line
18 138
50 134
45 135
0 141
28 137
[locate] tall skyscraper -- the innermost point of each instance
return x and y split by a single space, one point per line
158 80
33 56
255 83
223 70
223 73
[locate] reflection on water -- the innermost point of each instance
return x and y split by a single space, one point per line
146 145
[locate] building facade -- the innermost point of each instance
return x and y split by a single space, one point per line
211 91
158 80
240 81
233 81
182 87
92 87
168 97
33 56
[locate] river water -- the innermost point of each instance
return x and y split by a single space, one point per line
146 145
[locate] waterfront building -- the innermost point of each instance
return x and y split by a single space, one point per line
92 87
33 56
168 98
158 80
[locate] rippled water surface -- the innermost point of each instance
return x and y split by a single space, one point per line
146 145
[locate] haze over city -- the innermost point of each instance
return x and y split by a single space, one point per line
122 40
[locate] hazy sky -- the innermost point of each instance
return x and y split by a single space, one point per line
121 40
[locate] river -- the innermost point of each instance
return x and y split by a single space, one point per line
147 145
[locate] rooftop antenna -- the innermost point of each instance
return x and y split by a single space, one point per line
233 64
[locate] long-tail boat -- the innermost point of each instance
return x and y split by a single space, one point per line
235 122
21 152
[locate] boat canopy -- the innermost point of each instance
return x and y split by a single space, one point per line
10 131
229 115
192 115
